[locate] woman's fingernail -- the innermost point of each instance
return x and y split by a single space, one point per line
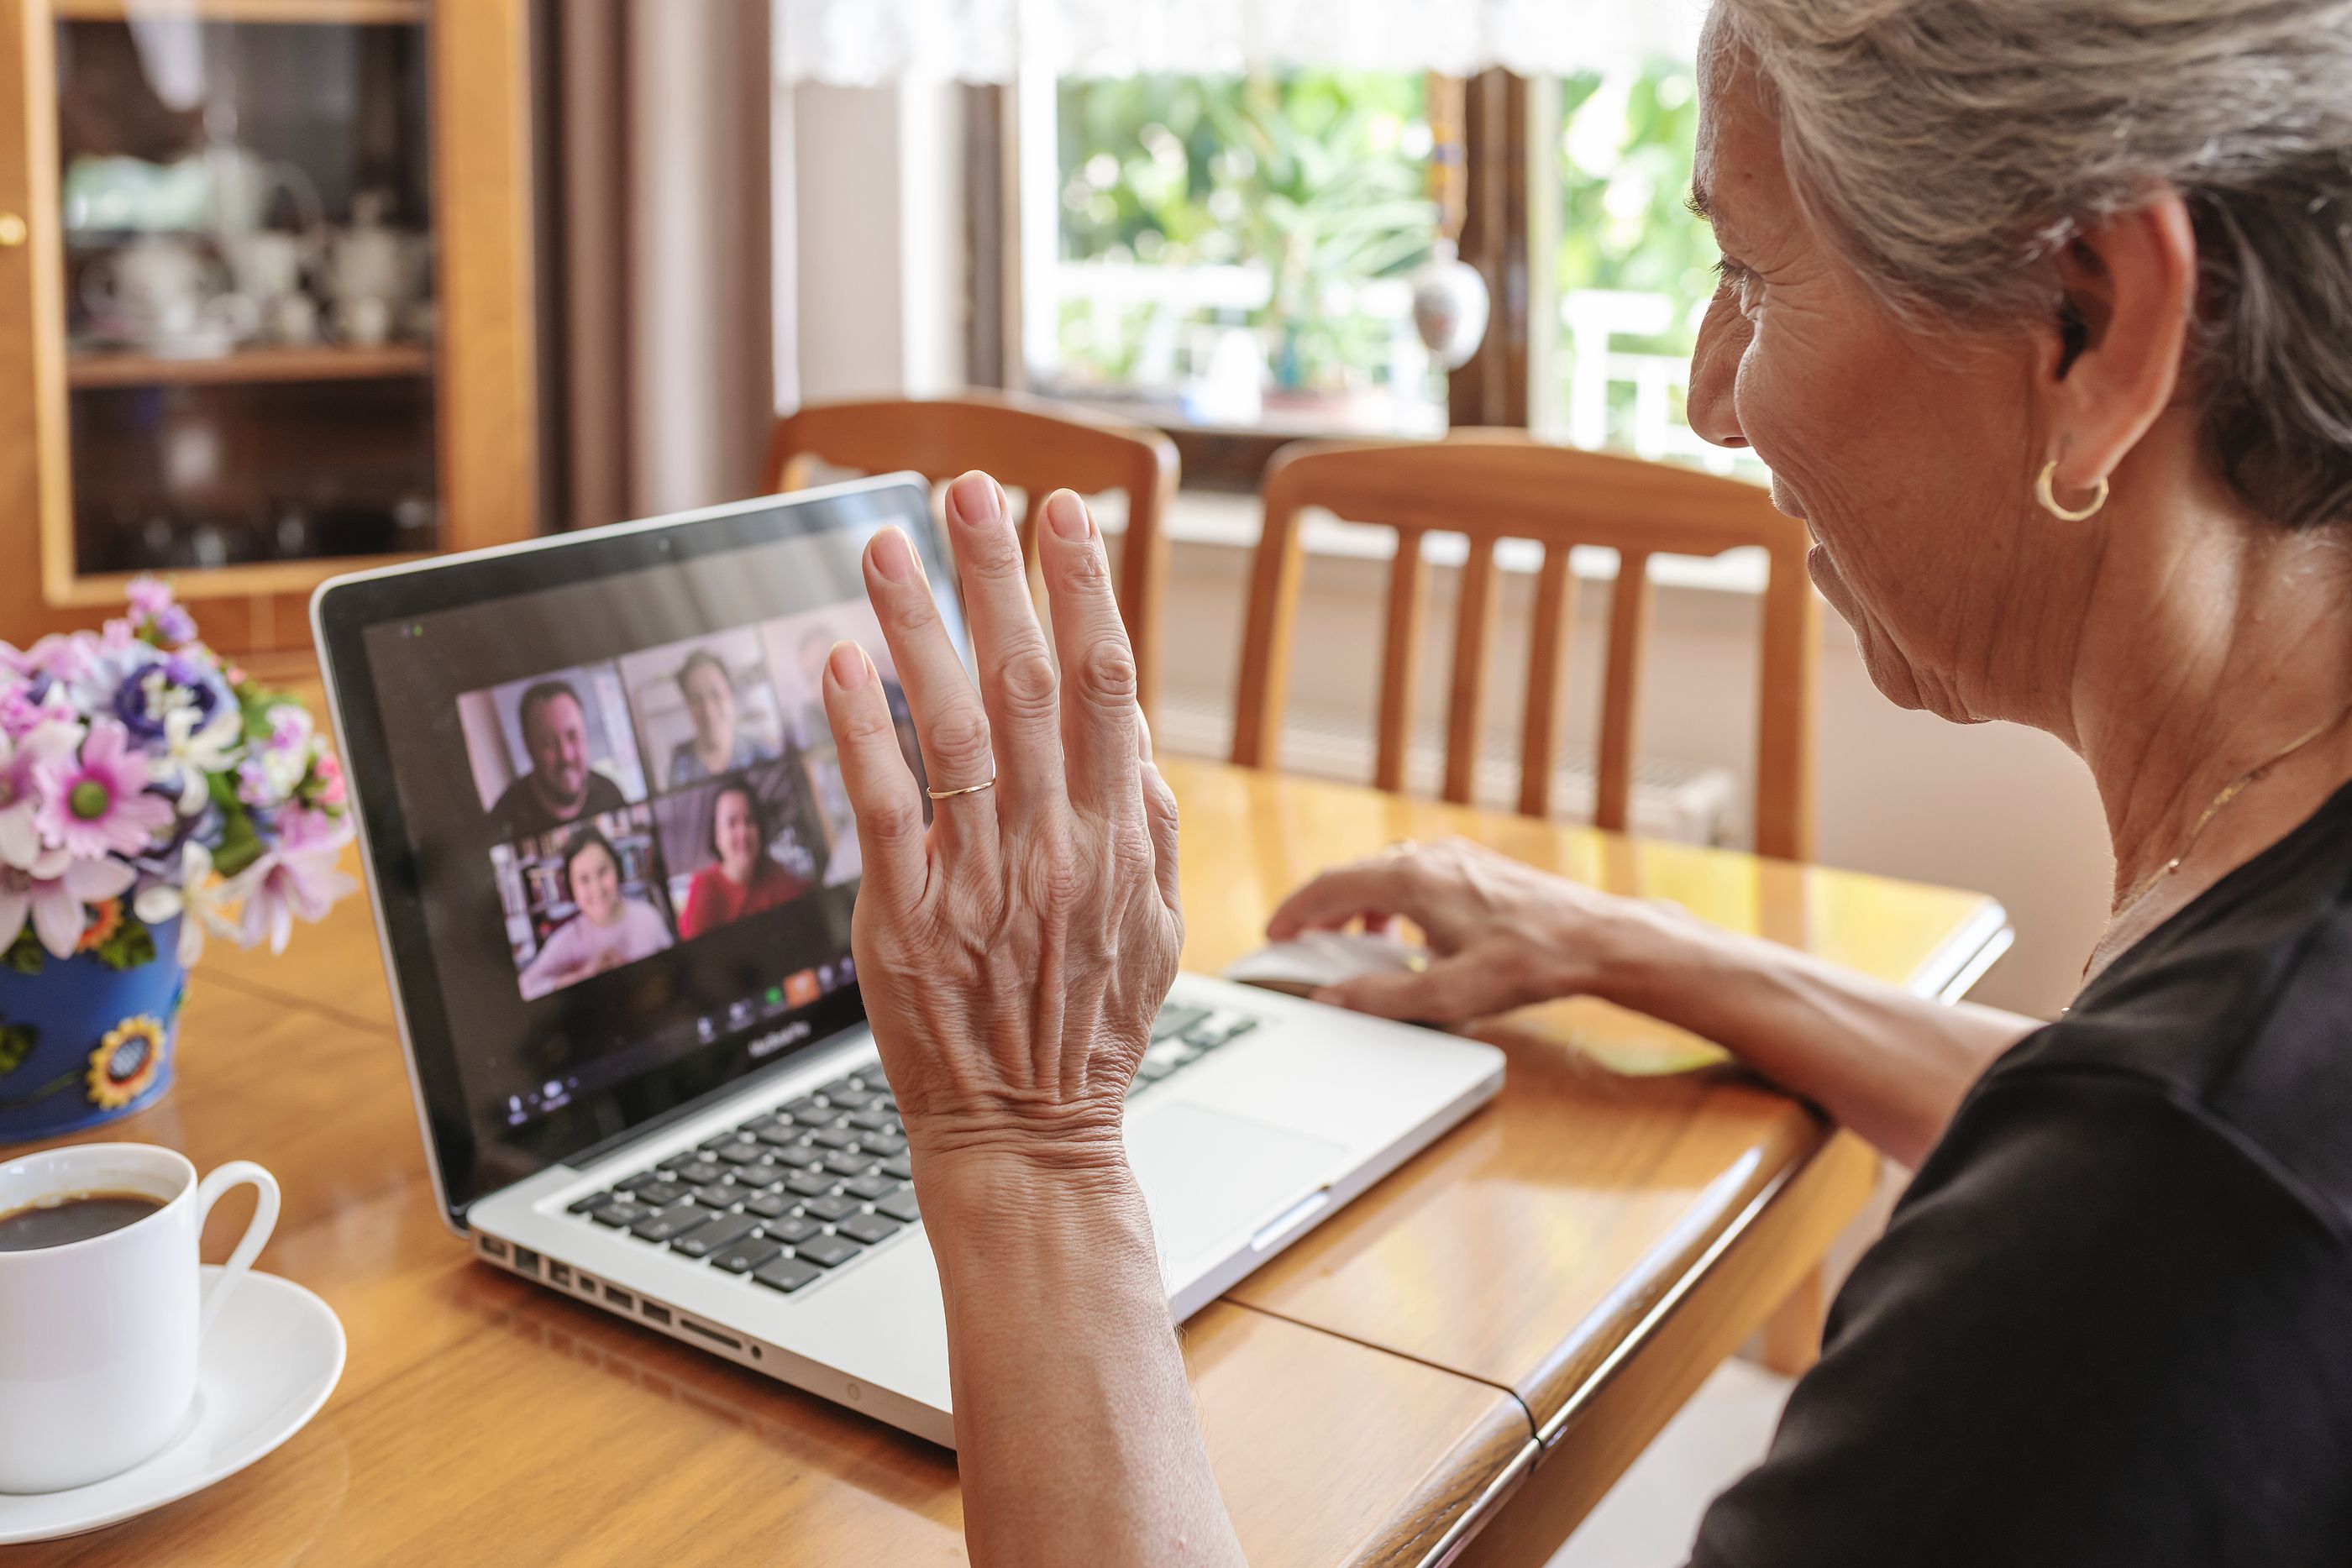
848 662
976 497
1068 516
892 558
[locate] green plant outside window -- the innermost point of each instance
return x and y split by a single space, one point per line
1316 178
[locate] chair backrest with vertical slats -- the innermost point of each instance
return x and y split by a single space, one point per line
1028 444
1491 485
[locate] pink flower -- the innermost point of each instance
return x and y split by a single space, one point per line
296 876
53 892
65 656
331 791
99 804
20 715
20 795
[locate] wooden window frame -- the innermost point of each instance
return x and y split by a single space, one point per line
1505 224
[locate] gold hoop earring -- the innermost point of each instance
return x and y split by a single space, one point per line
2043 493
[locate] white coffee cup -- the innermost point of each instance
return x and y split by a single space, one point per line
98 1337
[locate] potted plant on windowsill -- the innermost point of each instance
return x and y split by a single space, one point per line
149 794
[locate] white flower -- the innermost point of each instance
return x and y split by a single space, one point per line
192 750
285 757
198 897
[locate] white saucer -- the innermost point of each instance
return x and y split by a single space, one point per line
269 1362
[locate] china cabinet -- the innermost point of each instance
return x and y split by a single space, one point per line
266 307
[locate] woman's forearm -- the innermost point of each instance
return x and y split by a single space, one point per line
1074 1430
1890 1065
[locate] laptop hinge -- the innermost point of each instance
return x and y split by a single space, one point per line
856 1039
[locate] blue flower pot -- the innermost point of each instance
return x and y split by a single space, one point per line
82 1043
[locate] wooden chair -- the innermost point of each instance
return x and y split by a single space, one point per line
1029 445
1493 485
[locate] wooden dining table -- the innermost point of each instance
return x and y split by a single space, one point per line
1453 1369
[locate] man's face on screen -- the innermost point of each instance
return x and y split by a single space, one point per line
559 755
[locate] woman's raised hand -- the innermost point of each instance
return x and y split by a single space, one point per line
1013 952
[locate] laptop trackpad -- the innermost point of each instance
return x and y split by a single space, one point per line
1208 1176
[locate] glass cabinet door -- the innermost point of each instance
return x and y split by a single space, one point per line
246 213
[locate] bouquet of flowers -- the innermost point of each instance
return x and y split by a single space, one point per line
143 778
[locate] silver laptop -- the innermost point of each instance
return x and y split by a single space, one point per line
614 866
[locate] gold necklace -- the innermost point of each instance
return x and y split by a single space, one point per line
2230 792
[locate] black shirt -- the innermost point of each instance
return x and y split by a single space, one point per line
520 815
2111 1320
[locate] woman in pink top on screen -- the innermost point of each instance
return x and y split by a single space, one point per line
611 929
743 880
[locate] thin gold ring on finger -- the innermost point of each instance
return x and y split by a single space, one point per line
967 789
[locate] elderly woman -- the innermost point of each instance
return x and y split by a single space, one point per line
2037 309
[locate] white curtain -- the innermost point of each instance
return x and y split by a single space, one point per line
866 43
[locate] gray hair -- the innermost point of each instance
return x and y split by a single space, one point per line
1952 146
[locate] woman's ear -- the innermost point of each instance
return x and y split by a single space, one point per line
2110 359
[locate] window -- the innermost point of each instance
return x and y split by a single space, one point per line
1233 258
1633 269
1231 251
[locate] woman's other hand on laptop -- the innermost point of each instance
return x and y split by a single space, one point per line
1013 955
1503 933
1890 1065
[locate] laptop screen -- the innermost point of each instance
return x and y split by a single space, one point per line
616 862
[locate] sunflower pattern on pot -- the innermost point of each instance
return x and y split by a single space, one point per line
126 1061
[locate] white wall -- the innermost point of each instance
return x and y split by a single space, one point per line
878 225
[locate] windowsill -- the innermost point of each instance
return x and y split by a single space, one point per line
1220 518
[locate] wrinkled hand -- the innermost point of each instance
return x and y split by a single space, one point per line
1012 954
1504 933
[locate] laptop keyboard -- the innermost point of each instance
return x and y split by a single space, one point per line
791 1196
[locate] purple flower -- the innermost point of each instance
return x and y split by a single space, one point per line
295 876
253 786
53 892
153 607
159 686
99 804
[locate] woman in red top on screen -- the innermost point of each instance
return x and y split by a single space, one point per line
743 880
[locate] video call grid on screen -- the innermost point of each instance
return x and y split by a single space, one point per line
634 777
582 770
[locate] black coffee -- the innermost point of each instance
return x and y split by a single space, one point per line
75 1217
